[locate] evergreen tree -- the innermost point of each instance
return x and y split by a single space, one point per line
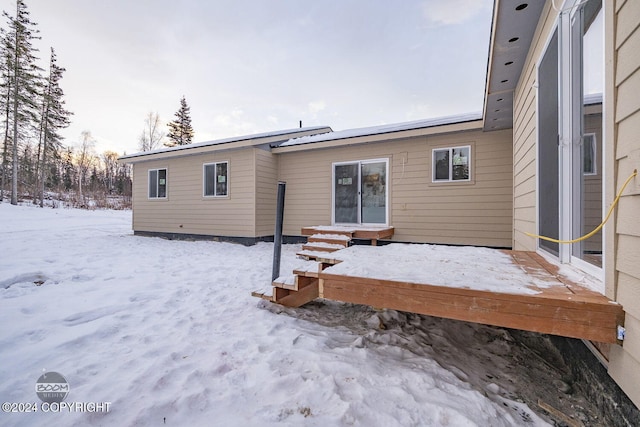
54 118
180 130
24 80
68 169
5 103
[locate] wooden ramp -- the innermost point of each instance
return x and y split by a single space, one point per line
533 296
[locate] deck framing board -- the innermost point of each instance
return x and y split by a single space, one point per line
577 319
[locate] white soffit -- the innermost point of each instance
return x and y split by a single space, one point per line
514 25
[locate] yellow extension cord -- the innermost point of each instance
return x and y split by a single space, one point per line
598 228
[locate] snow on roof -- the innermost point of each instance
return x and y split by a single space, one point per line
592 98
320 129
382 129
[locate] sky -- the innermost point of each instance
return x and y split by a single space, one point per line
250 66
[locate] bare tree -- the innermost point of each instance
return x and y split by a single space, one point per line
152 135
110 163
85 158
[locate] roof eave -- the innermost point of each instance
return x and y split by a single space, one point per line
515 23
386 136
220 145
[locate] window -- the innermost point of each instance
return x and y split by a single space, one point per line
589 154
215 179
451 164
157 183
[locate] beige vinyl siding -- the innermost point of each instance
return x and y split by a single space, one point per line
186 210
308 196
472 213
524 160
525 138
266 191
625 360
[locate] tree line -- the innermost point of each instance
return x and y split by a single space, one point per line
35 161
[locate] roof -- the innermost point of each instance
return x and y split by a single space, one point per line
395 128
233 142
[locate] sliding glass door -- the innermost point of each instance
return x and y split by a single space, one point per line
346 193
587 87
570 143
360 192
548 147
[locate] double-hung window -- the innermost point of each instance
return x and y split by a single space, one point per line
216 179
157 183
451 164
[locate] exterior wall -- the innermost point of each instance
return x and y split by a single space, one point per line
624 124
469 213
266 191
185 210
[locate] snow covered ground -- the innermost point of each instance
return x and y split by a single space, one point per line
168 333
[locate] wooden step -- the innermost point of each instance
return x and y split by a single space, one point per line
323 257
293 283
310 231
309 269
336 239
322 247
307 292
263 295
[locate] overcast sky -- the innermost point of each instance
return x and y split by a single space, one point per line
248 66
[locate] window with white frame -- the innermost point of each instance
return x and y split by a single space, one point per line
451 164
216 179
157 183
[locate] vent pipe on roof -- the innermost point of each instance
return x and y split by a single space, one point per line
300 124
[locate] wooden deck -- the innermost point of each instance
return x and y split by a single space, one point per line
356 232
562 308
550 304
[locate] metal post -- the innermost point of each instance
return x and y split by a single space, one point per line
277 237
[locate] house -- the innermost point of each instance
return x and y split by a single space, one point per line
373 176
546 157
223 189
